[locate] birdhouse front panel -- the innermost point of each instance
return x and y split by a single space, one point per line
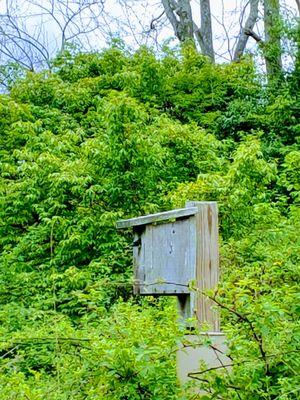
165 257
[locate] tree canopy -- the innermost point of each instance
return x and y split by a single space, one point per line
115 134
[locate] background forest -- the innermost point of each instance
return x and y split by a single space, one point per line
112 134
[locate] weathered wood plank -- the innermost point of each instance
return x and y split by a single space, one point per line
207 269
151 218
168 258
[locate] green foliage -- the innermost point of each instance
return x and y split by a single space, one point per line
110 135
291 175
127 354
260 270
9 73
240 187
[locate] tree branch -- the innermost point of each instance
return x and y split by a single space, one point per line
170 15
247 30
152 23
258 338
254 35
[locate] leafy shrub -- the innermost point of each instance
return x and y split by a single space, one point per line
110 135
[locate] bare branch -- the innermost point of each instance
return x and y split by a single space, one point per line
23 36
152 23
227 38
252 34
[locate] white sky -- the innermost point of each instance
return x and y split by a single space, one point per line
132 20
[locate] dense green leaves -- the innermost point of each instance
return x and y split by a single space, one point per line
111 135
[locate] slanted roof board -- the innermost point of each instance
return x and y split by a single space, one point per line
163 216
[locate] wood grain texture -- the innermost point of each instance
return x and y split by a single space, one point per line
207 264
151 218
168 256
166 262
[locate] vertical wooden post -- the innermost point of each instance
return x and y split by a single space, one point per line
207 262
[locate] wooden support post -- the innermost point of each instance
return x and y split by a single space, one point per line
207 262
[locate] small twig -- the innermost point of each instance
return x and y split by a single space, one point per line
239 363
152 25
9 352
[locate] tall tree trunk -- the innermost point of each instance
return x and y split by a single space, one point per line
179 13
204 35
272 46
247 30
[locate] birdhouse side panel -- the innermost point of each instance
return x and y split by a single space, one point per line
167 258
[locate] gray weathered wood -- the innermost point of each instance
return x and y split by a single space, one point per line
167 258
180 16
151 218
207 265
205 35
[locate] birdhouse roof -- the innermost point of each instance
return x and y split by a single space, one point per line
163 216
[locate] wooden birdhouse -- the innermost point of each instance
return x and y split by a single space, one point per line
176 252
